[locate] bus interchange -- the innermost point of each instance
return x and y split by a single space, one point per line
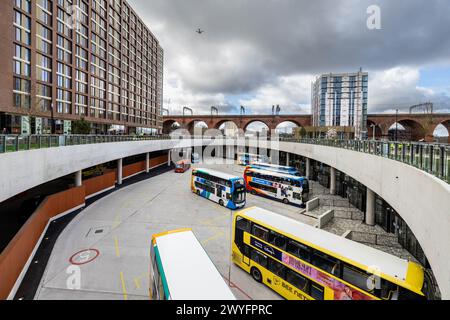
256 247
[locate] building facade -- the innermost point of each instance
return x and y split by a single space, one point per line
340 100
63 60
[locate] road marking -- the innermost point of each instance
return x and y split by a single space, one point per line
117 220
124 289
217 235
116 245
137 282
233 285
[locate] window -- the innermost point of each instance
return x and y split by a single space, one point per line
243 224
21 68
260 232
259 258
25 5
22 35
43 61
316 291
355 276
299 250
43 75
297 280
277 268
22 100
21 85
22 20
326 263
277 240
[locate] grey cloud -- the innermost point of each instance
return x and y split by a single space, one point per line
251 43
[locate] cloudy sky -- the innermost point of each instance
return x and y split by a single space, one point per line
258 53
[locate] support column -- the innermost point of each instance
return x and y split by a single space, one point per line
332 181
147 162
119 171
308 168
78 179
370 210
169 156
287 159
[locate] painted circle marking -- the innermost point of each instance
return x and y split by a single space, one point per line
84 256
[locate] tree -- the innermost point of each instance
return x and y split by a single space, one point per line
303 132
81 127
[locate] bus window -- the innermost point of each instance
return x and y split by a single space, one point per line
299 250
277 268
325 262
242 224
387 290
305 186
355 276
297 280
260 232
259 258
316 291
277 240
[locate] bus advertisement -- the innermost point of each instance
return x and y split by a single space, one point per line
281 186
224 189
301 262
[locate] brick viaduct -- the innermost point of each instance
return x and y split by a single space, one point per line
419 126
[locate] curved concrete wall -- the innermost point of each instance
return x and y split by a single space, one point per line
422 200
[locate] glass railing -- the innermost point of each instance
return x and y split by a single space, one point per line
429 157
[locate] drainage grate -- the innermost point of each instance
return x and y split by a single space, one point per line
97 231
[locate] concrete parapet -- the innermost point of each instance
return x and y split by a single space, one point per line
312 204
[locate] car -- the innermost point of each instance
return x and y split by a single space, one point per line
182 166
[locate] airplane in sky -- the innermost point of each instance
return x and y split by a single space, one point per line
199 31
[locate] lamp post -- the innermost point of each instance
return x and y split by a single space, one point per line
53 125
396 124
373 126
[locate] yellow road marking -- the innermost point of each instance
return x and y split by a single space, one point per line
210 221
116 244
124 289
137 282
117 221
217 235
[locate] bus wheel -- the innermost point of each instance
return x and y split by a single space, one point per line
256 274
285 201
197 192
253 192
221 202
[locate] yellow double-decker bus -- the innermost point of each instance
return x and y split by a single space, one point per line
301 262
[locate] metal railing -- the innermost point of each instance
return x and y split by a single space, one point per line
429 157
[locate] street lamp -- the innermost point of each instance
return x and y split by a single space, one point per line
396 123
373 126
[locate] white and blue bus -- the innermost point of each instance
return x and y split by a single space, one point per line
180 269
285 187
225 189
275 168
244 159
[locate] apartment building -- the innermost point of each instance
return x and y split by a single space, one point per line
63 60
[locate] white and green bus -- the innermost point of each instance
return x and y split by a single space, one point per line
180 269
